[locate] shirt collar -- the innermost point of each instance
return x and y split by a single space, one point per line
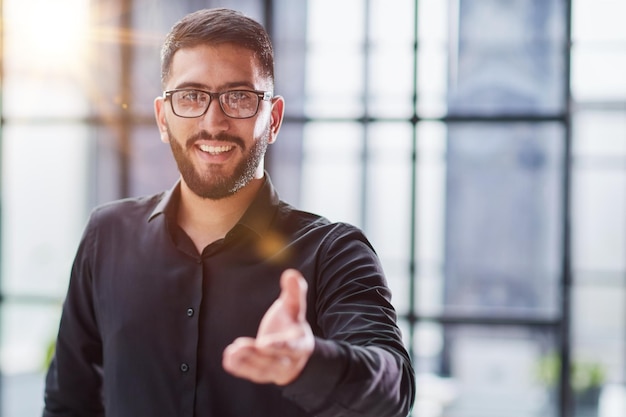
258 217
168 204
260 214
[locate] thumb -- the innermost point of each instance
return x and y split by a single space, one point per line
293 293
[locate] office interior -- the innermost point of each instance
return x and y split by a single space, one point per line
480 144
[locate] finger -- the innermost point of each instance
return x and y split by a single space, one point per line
289 342
293 293
254 365
236 353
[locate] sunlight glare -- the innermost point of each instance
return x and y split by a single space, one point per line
46 34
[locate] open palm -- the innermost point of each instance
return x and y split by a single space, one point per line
284 340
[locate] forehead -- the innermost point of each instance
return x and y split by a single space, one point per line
214 66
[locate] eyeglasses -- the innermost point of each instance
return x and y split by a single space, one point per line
238 104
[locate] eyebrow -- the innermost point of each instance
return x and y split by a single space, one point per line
224 87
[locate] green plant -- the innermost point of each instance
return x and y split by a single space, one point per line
585 375
49 354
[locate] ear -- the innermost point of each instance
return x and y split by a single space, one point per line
159 114
276 117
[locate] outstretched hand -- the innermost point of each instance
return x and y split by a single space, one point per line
284 341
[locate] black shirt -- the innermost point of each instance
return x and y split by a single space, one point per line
146 318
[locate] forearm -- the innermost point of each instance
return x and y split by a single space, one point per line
354 381
67 393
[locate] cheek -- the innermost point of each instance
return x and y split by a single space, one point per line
176 131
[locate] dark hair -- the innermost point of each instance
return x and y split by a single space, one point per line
218 26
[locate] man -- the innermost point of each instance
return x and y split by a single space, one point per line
217 299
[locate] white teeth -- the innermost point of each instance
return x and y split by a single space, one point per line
215 149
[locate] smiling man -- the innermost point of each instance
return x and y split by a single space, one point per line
216 298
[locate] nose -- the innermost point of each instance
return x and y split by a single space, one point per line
214 118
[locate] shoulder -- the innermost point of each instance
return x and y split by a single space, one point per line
302 223
126 211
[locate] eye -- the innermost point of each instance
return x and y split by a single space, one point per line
192 96
239 98
240 95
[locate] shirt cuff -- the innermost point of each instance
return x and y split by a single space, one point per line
319 377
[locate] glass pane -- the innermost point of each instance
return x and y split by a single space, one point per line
404 326
44 62
433 53
108 100
428 339
599 133
334 82
152 166
598 207
44 184
391 60
151 20
397 274
391 25
599 346
598 20
503 211
431 189
432 80
28 332
391 87
388 205
331 170
283 161
334 67
106 169
430 215
25 347
290 55
26 95
598 221
598 72
470 371
509 57
389 188
22 394
333 22
599 191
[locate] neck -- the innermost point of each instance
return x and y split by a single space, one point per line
205 220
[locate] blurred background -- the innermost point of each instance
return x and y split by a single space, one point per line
481 145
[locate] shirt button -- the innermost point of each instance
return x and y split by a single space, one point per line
189 312
184 367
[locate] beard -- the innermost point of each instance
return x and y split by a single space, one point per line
217 185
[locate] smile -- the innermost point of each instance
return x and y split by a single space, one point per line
215 150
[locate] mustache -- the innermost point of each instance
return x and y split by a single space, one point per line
221 137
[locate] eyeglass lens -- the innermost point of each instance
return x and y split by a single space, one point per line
194 103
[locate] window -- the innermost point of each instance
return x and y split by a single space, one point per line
481 151
487 182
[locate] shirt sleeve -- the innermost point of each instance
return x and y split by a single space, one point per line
74 378
359 366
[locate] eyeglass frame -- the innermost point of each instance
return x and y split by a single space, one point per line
261 96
